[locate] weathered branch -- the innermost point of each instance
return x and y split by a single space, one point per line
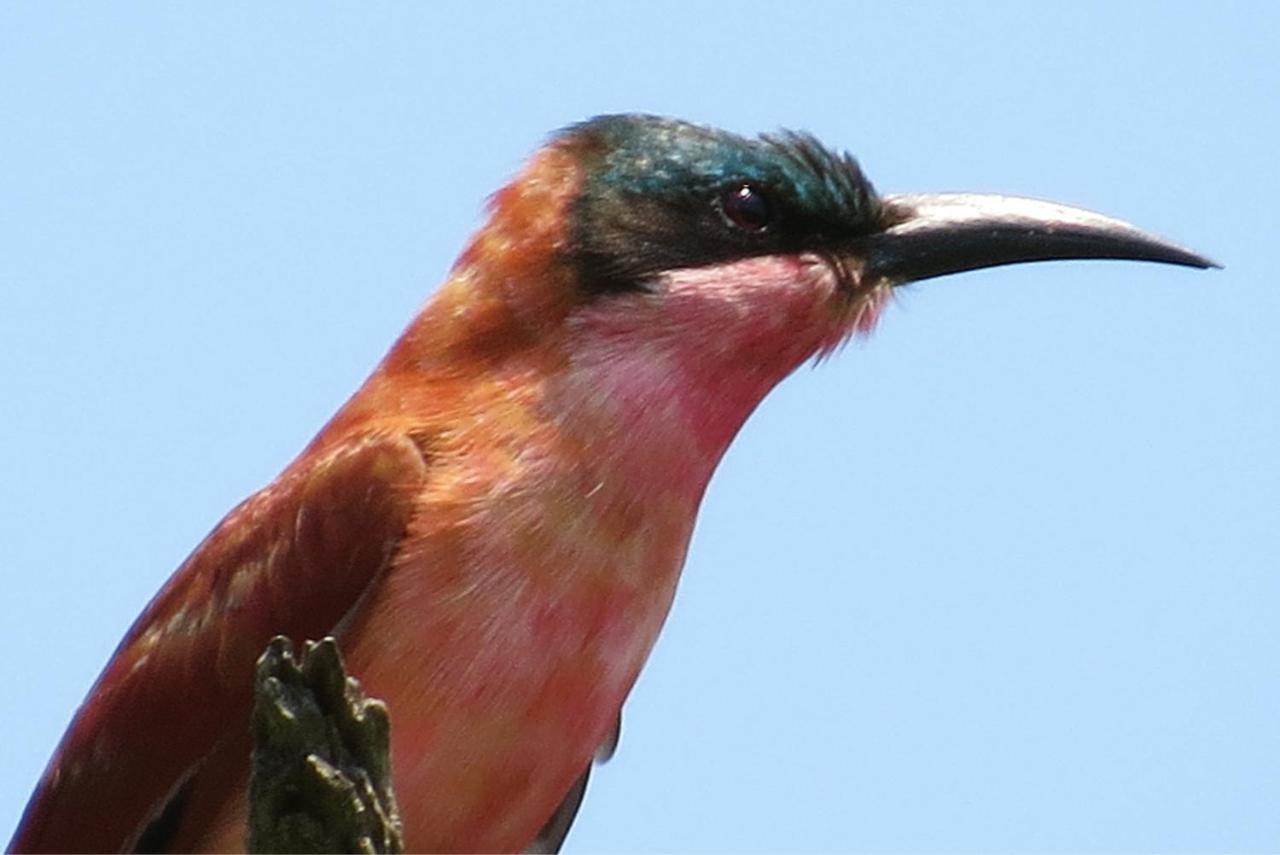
321 770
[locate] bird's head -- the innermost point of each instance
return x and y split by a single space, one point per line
683 270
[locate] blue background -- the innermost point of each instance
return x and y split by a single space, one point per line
1001 577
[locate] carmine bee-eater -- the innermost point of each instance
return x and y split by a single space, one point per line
493 526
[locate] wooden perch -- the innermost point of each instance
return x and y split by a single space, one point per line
321 767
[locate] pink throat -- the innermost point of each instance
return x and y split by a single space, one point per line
672 374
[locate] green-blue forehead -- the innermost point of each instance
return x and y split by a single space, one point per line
651 155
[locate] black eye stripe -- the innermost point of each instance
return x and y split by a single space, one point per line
745 207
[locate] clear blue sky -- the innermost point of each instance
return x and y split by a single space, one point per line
1001 577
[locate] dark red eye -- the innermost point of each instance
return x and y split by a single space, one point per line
747 208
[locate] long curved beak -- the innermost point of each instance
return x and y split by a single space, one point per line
939 233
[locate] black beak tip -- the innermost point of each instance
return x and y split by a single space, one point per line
1170 253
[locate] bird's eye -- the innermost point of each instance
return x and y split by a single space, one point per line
746 208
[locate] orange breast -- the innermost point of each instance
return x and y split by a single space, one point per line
504 640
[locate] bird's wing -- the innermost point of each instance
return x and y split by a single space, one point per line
556 829
291 560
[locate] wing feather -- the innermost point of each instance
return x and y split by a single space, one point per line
293 559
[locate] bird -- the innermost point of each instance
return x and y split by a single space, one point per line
493 526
